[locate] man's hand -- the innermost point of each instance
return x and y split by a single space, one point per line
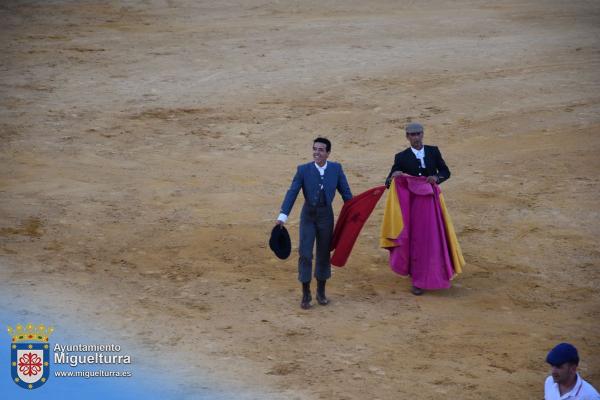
279 222
397 173
433 179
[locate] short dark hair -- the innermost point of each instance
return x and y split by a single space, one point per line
325 141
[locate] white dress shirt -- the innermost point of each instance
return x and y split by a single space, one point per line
420 154
321 169
581 391
282 217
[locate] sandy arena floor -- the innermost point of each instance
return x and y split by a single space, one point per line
146 147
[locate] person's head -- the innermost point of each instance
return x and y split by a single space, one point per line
564 373
321 150
414 134
563 359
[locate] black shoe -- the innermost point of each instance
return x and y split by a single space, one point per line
416 291
306 296
321 298
305 303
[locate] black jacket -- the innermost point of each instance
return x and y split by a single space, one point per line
407 162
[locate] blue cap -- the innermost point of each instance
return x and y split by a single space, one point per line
562 353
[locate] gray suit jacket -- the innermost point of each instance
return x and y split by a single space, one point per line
308 179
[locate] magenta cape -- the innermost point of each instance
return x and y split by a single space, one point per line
352 218
421 250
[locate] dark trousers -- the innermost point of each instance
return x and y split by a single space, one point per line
316 225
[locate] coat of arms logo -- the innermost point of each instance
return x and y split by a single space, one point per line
30 355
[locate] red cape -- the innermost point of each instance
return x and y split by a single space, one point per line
353 216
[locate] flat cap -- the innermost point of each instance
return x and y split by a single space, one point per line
414 127
562 353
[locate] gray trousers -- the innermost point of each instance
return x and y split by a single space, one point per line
316 224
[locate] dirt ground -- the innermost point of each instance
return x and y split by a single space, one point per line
146 147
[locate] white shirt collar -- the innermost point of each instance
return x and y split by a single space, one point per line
418 153
321 169
571 394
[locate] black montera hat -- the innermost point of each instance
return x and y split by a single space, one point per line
280 242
